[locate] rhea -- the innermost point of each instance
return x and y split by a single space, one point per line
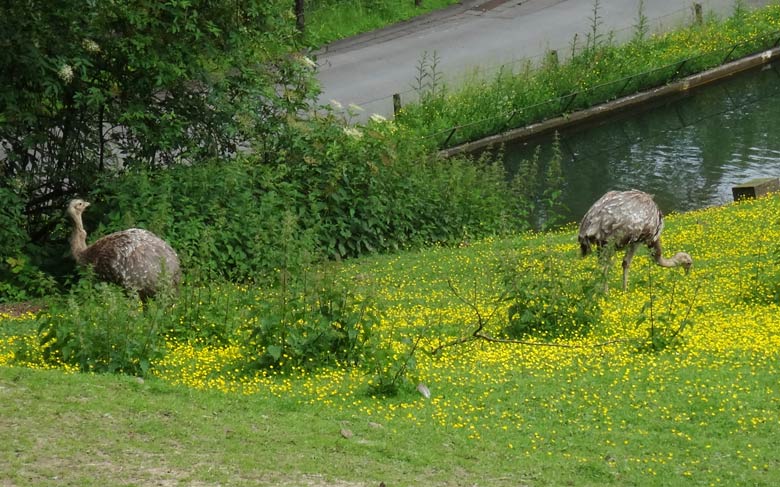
627 219
135 259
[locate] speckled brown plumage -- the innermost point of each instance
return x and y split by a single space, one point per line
135 259
627 219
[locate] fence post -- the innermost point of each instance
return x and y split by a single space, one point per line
628 80
729 54
449 137
571 97
396 104
552 58
299 20
697 12
679 68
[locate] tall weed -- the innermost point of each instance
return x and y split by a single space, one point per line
97 328
311 322
667 313
537 187
549 298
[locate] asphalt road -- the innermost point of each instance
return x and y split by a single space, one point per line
477 37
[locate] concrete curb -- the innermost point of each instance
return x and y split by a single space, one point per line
621 104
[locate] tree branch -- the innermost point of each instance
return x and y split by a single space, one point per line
477 334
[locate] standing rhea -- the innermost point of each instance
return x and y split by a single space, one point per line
625 219
135 259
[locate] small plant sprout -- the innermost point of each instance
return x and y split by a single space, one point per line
428 81
641 26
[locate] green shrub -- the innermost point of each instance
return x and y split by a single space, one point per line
97 328
137 84
226 220
372 188
390 369
210 313
337 191
549 298
310 324
668 312
20 277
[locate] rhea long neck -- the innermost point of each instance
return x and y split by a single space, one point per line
657 252
78 238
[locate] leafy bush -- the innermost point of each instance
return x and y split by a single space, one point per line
20 278
87 90
337 191
667 313
97 328
373 188
390 368
227 220
210 314
550 298
310 324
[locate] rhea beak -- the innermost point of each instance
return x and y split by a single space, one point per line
687 269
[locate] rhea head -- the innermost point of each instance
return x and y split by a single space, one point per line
76 207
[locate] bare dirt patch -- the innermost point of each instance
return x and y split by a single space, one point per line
15 310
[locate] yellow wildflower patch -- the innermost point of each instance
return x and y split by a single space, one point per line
604 385
728 299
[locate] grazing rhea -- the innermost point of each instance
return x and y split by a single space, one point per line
625 219
135 259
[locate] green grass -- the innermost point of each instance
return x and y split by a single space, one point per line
592 411
330 21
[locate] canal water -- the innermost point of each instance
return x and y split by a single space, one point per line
688 152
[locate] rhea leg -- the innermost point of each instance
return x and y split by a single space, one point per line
605 259
627 263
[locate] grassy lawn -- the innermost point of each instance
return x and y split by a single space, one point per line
330 21
601 409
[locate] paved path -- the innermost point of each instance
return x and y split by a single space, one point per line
479 36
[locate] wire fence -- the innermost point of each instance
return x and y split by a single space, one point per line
610 90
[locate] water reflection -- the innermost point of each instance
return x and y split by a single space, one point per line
688 152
